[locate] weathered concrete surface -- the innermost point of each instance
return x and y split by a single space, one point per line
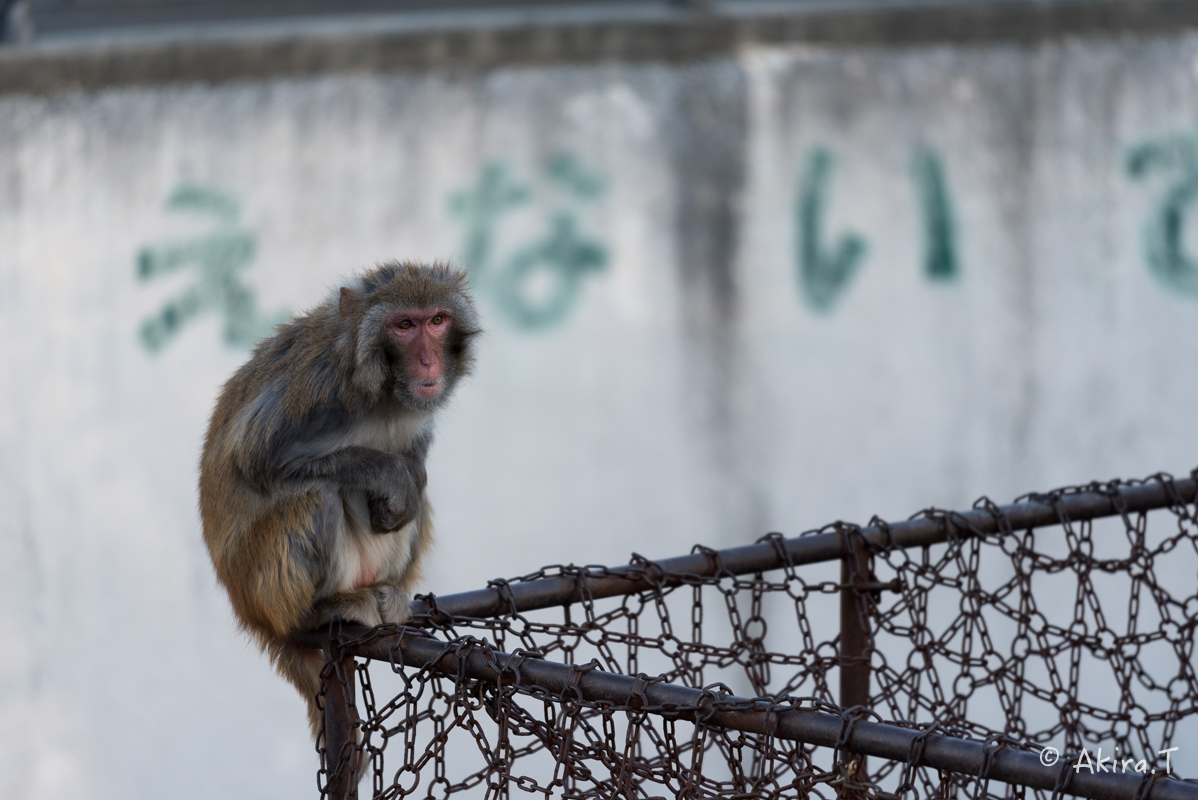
96 47
787 285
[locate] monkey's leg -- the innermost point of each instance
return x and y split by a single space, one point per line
395 587
384 601
277 567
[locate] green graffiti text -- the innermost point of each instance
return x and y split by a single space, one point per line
535 285
217 259
824 272
940 251
1164 235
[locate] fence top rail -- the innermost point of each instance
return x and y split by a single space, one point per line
816 724
827 544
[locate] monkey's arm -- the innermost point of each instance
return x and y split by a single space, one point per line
394 484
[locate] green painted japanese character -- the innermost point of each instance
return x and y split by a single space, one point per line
824 271
1164 235
217 260
536 285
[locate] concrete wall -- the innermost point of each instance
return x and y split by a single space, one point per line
788 284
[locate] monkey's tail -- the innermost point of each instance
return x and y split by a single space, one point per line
301 666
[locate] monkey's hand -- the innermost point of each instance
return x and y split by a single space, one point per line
396 505
393 484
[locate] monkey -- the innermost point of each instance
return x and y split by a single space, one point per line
312 476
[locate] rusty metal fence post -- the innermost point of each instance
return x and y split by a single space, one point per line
341 721
856 579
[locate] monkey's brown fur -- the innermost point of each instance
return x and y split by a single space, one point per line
311 441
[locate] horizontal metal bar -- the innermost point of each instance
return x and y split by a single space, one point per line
809 726
763 557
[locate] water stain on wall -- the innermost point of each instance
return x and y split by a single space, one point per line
216 261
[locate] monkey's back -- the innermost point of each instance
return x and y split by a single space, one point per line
241 516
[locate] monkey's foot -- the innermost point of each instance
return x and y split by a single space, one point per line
360 606
394 605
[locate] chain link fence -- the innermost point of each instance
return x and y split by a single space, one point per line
1043 647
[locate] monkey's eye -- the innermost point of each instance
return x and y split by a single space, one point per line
437 320
404 324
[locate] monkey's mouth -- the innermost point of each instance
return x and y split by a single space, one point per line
427 390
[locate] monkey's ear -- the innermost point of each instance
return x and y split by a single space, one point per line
350 299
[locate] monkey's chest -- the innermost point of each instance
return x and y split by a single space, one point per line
387 431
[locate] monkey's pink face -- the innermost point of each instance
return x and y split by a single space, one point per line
420 334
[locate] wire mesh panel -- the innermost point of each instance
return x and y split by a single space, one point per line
1078 635
997 649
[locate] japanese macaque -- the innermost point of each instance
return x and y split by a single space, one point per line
312 478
